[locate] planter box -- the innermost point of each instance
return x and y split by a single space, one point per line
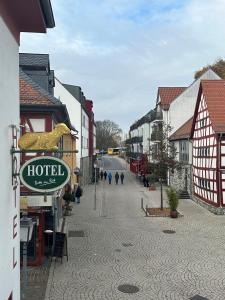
152 188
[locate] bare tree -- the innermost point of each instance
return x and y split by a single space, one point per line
164 155
107 134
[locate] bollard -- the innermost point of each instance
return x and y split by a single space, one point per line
146 213
142 206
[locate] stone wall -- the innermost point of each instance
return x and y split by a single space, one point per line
178 177
212 209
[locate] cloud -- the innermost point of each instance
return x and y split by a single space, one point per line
120 51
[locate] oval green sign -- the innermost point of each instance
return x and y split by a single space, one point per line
44 174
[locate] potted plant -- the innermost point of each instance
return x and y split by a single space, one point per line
152 180
173 201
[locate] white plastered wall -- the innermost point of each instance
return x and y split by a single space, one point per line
9 204
85 134
182 108
74 110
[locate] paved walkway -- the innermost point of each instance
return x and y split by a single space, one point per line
122 246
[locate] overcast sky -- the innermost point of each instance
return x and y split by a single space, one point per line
121 51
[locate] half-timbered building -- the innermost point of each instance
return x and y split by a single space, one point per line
208 135
40 112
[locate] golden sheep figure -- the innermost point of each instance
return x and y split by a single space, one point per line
43 140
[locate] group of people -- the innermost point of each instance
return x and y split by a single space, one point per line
106 175
72 196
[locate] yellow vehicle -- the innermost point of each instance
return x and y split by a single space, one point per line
110 151
113 151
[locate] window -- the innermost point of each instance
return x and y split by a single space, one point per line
204 152
84 125
203 122
203 183
183 151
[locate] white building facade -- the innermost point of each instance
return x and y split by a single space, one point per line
74 110
9 206
9 115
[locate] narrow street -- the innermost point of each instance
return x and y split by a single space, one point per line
120 246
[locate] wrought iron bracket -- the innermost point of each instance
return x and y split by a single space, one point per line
14 151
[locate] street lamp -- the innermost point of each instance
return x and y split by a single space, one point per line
95 200
49 233
26 231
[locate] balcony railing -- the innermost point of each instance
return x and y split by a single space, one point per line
156 136
157 116
134 140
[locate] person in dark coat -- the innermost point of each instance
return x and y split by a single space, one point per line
101 174
67 194
117 176
144 180
78 194
121 177
105 175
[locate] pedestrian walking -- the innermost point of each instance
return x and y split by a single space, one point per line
67 194
144 180
105 175
78 194
110 177
101 174
121 177
117 176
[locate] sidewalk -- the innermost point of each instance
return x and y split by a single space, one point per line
121 246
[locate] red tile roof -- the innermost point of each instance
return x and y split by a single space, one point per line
28 95
183 132
32 93
214 92
168 94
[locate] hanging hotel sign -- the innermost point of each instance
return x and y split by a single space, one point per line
44 174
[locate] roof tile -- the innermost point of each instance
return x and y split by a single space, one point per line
214 93
32 93
168 94
183 132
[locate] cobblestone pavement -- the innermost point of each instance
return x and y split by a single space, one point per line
37 278
122 246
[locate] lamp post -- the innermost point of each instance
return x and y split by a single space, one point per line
49 233
95 200
26 231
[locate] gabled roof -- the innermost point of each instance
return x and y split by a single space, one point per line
183 132
77 93
145 119
214 93
33 98
47 13
34 60
167 94
32 93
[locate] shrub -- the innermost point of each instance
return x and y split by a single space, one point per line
173 199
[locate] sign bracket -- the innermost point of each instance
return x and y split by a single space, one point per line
14 151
